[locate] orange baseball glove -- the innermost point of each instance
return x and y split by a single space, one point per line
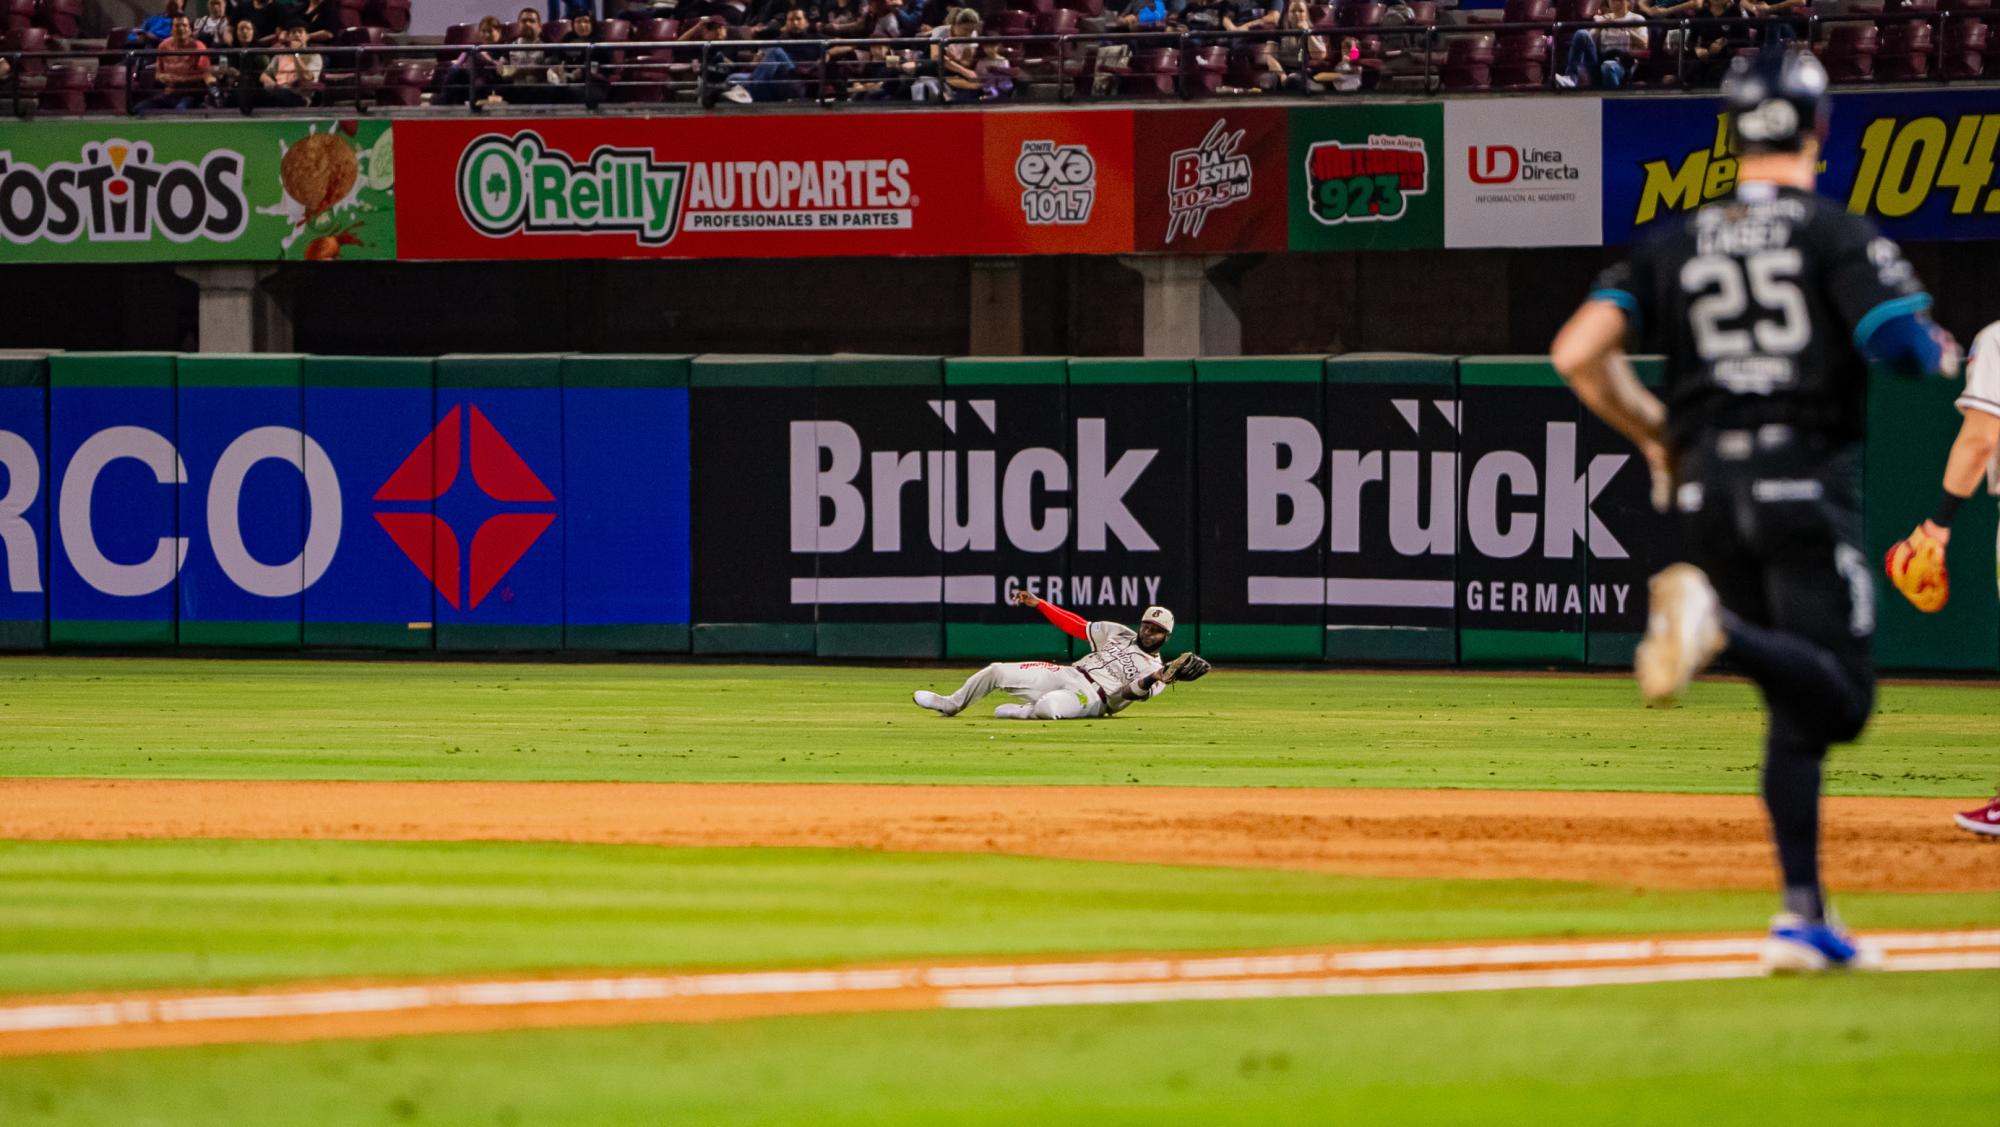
1916 566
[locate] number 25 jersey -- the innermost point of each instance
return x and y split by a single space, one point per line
1761 303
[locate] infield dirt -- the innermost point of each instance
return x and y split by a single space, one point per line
1629 839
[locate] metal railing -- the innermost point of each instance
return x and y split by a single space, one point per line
640 74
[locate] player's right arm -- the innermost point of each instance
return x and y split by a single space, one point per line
1071 623
1971 456
1589 354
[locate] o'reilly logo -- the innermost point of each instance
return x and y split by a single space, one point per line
118 192
516 183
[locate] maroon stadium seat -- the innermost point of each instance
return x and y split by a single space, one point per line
107 88
20 15
1205 70
652 30
1521 58
1576 11
1468 62
61 17
1965 48
68 89
1905 53
1056 21
1849 51
1250 68
1011 22
404 81
391 15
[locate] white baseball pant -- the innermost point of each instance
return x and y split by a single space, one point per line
1047 691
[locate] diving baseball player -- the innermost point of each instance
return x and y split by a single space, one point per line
1123 667
1768 304
1916 564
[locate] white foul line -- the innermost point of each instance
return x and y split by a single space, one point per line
1099 982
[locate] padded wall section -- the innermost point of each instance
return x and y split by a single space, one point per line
117 539
24 504
625 474
253 538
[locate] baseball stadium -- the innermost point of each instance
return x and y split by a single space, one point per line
882 562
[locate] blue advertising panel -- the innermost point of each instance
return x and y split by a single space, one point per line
1920 163
116 548
501 515
373 419
24 506
626 560
243 510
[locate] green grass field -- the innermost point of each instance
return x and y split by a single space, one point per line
281 719
1906 1048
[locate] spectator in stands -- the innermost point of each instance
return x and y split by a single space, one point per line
269 17
1720 30
159 28
213 28
883 78
288 77
528 73
570 9
183 70
475 68
233 71
322 20
958 63
717 63
1248 15
894 20
773 79
242 33
1792 17
735 13
844 19
1148 15
1204 15
1604 54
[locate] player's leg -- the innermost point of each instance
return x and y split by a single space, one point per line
1063 704
976 686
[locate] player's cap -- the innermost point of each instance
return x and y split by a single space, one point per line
1160 617
1776 99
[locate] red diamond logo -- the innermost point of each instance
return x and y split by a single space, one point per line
429 472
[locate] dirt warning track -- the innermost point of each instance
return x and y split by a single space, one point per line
1646 840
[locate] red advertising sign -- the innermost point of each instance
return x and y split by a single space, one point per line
1210 181
718 186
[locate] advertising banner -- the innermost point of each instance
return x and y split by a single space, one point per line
1920 163
115 547
1367 177
625 482
142 191
1210 182
24 509
1054 183
1261 504
1522 172
1391 447
252 503
1011 415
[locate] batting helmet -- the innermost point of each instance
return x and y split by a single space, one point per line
1776 100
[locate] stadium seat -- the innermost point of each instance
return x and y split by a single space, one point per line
1056 21
349 77
1250 68
1577 11
1965 48
1205 69
1011 22
555 31
390 15
1521 58
107 88
1905 53
1849 52
655 30
1151 72
404 82
1468 62
1085 8
20 15
32 75
68 89
61 17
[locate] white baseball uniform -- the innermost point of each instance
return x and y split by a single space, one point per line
1103 683
1982 393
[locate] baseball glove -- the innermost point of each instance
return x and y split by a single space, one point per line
1187 667
1915 566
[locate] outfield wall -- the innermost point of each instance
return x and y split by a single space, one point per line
1359 508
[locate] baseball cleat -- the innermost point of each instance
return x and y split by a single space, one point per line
938 704
1984 821
1683 633
1014 712
1797 947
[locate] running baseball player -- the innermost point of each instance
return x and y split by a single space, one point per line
1122 668
1768 304
1916 564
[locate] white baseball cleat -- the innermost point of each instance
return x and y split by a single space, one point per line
938 704
1683 633
1014 712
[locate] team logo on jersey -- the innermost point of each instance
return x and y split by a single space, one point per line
1205 179
1058 183
1366 183
498 472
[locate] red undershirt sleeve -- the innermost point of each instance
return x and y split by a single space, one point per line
1071 623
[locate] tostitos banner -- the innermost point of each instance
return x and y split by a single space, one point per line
147 191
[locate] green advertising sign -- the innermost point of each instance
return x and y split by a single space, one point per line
1367 177
137 191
